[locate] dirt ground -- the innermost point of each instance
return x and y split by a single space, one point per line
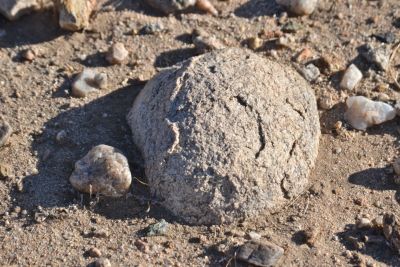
44 222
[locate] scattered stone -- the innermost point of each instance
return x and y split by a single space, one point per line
260 253
379 56
206 6
160 228
363 223
28 55
74 15
94 252
299 7
254 236
179 169
254 43
102 262
310 72
13 9
351 78
5 171
117 54
103 170
204 42
396 166
88 81
362 112
378 222
5 131
152 28
303 55
387 37
391 230
171 6
285 41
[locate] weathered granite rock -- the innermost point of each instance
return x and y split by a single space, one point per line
74 15
226 135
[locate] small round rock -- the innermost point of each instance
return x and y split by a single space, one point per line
102 262
117 54
94 252
103 170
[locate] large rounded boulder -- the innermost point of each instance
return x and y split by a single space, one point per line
226 135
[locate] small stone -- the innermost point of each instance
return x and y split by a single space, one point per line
379 56
88 81
337 150
206 6
285 41
363 223
74 15
142 246
94 252
28 55
326 102
5 171
299 7
103 170
117 54
160 228
260 253
351 78
362 112
152 28
102 262
378 222
5 131
311 72
391 230
396 166
171 6
304 55
254 236
387 37
255 43
13 9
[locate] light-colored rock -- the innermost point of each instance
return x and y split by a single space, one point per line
299 7
351 78
260 253
88 81
171 6
104 170
379 55
74 15
310 72
102 262
226 135
363 223
117 54
362 112
5 131
13 9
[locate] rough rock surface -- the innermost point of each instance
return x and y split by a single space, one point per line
13 9
225 135
88 81
258 253
117 54
299 7
103 170
5 131
171 6
75 14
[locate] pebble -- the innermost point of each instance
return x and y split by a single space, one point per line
5 131
311 72
379 56
74 15
387 37
255 43
396 166
260 253
254 236
88 81
351 78
152 28
363 223
204 42
362 112
102 262
5 170
94 252
299 7
103 170
28 55
285 40
171 6
117 54
14 9
206 6
157 229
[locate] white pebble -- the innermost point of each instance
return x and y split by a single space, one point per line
351 78
362 112
88 81
299 7
117 54
311 72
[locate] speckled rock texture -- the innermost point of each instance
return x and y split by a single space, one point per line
104 170
13 9
226 135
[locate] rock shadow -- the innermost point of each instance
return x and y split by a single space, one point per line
369 242
30 29
373 178
257 8
172 57
102 121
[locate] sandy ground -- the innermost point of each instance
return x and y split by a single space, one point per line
44 222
